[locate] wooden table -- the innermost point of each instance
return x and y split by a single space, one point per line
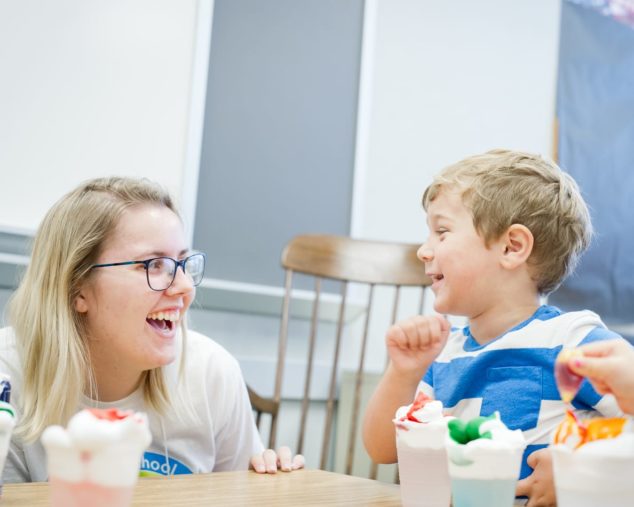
302 487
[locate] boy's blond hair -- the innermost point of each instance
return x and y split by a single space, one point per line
503 187
50 334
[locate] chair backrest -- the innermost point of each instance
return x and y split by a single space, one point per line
347 260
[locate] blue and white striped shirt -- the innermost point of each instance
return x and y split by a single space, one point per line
514 374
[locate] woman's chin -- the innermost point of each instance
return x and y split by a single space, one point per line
159 358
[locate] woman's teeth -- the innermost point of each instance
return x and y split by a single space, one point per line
171 316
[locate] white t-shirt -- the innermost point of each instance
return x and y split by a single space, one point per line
223 438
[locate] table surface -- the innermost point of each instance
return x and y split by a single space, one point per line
302 487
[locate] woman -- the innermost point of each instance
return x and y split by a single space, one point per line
99 320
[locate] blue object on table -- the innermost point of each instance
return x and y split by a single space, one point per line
5 388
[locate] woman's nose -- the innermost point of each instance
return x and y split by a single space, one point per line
182 282
425 253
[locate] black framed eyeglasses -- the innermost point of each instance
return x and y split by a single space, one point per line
161 271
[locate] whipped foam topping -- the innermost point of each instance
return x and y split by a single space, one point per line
429 412
498 457
99 446
622 445
501 436
576 433
421 427
598 466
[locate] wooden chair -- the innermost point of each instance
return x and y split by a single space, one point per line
347 260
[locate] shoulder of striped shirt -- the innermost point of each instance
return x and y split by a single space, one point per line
567 329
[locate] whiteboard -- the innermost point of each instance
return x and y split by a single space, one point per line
91 88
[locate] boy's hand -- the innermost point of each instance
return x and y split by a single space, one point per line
413 344
539 486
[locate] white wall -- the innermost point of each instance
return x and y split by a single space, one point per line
92 88
447 80
440 81
451 79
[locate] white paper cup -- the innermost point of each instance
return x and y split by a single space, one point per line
7 423
106 479
88 494
490 480
424 476
94 463
584 478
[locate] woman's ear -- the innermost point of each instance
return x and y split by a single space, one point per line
518 245
80 303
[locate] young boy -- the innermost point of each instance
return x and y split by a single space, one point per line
505 228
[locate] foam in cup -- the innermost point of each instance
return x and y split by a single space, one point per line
96 460
421 429
485 458
593 462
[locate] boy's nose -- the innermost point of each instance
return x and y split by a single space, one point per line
425 253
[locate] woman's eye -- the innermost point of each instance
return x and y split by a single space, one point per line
156 265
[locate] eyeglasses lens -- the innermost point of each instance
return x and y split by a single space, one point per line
195 267
160 272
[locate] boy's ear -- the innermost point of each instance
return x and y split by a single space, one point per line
518 245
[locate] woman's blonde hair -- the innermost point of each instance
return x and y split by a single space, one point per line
503 187
50 334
